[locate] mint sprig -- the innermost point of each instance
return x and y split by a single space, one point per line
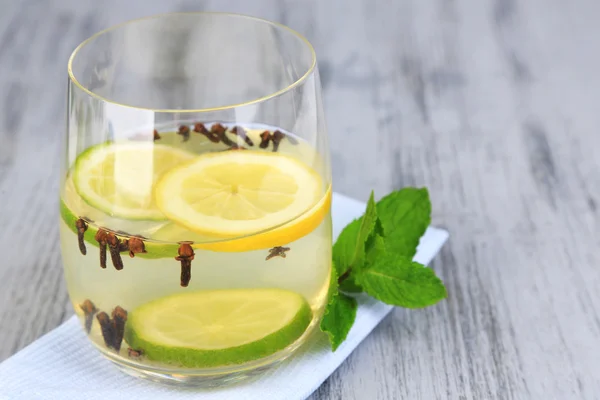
373 254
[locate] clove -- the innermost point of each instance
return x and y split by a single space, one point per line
264 139
201 129
184 131
107 328
133 353
220 131
277 251
114 246
102 237
89 310
239 131
119 317
186 255
135 245
124 246
81 228
276 138
113 329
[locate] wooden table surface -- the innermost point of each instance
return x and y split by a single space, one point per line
491 104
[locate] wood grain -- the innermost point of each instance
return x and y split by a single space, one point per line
491 104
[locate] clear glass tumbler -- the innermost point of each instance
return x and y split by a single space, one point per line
195 195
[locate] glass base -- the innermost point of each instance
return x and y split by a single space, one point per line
209 378
197 381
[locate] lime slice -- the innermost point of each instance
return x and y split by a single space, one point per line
237 193
118 178
217 327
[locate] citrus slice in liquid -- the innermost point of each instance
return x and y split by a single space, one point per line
118 178
258 199
217 327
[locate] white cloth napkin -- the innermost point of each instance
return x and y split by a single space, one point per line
63 365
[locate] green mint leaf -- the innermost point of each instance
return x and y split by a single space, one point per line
349 285
345 246
401 282
333 283
367 226
339 317
375 248
378 228
401 218
349 249
405 215
343 252
340 313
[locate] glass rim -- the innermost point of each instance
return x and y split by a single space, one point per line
261 99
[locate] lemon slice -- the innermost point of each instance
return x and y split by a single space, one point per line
118 178
232 194
217 327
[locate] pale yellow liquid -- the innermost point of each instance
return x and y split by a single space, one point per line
305 270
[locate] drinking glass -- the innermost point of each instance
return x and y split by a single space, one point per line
195 195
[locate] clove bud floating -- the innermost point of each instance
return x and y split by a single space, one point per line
114 245
102 239
81 228
265 137
276 137
277 251
133 353
119 317
113 329
186 255
220 131
107 328
239 131
89 310
201 129
184 131
135 245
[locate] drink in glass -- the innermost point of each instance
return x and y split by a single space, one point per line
195 195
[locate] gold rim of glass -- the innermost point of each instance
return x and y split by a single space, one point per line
277 25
